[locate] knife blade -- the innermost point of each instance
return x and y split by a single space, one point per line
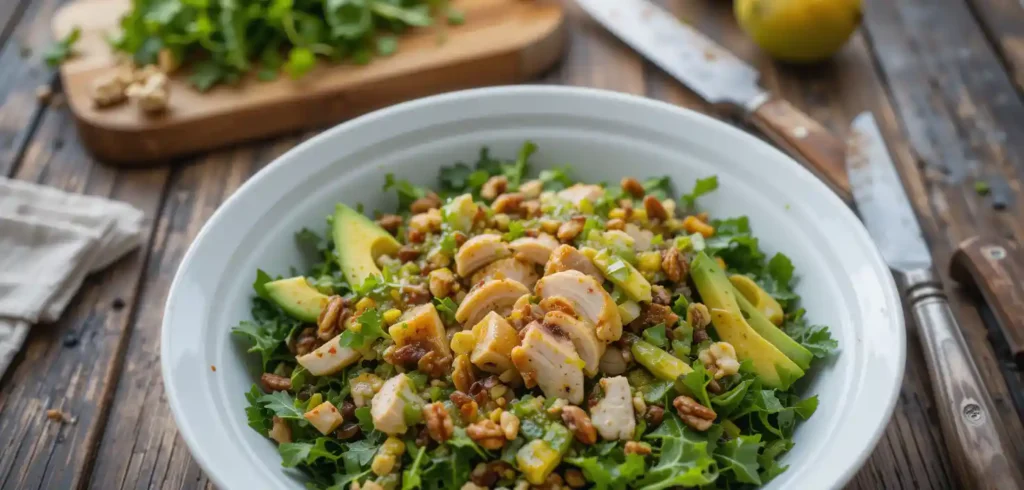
880 199
970 424
723 79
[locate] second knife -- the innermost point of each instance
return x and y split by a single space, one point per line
721 78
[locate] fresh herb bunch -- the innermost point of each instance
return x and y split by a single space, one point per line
753 429
226 39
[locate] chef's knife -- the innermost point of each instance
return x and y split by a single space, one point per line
721 78
970 425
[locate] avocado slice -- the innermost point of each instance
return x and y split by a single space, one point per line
771 365
622 274
660 363
297 298
358 243
791 348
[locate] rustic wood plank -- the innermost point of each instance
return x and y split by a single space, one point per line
141 447
909 455
595 60
964 121
10 14
1003 21
72 365
23 71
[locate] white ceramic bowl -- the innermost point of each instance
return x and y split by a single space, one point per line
604 136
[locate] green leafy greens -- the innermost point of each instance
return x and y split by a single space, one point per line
225 40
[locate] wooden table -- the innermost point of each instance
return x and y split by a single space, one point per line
944 77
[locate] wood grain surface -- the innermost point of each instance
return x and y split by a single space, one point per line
932 74
803 137
502 42
996 268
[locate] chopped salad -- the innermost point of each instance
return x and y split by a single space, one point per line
503 331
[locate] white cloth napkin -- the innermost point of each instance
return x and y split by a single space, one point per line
49 241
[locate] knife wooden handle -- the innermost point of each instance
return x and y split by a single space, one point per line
971 427
996 268
804 137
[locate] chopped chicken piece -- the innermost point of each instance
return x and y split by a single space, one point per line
495 339
478 252
421 325
328 358
578 192
391 404
588 347
534 249
508 268
567 258
589 299
325 417
613 414
549 360
497 295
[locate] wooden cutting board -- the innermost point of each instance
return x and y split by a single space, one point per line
501 42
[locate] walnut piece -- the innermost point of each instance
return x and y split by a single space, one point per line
695 415
674 266
720 359
494 187
632 186
487 434
272 382
151 93
439 423
697 315
579 423
508 203
331 318
633 447
442 282
424 204
655 210
390 222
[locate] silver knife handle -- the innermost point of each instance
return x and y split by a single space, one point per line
970 424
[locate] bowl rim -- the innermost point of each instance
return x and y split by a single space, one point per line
220 475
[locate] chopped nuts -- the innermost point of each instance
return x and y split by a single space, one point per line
424 204
426 222
434 364
532 189
109 90
439 425
442 282
272 382
660 295
655 210
633 447
509 425
494 187
571 229
579 423
331 318
615 224
467 405
695 415
697 315
408 254
654 415
390 223
508 203
151 94
632 186
720 359
462 373
693 224
674 266
487 434
652 314
574 478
